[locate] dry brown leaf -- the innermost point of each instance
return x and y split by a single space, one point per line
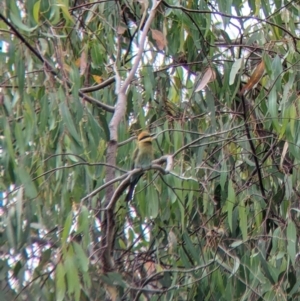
149 267
255 77
121 30
208 76
66 67
98 79
83 63
159 38
284 151
172 241
144 5
77 62
113 293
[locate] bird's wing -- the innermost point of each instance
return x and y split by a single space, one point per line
135 153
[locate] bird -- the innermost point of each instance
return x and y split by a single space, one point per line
142 158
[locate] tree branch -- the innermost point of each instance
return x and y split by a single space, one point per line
108 223
120 108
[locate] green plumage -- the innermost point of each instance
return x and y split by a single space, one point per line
142 158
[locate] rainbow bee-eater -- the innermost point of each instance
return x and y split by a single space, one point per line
142 158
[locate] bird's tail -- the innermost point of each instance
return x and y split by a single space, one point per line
129 195
131 189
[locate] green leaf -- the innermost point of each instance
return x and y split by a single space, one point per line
223 174
104 125
76 84
230 203
20 70
277 72
243 219
148 80
236 243
82 259
236 265
17 21
190 247
55 15
72 277
83 220
96 53
30 189
44 115
20 138
258 213
212 109
65 11
67 228
291 234
295 289
152 202
273 108
10 233
184 259
236 66
60 283
36 11
19 212
69 122
8 142
117 279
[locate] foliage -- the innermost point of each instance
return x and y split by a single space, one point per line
217 83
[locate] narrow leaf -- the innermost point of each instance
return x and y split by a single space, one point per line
82 259
72 273
69 121
83 220
67 227
159 38
255 77
284 151
65 11
235 69
30 189
236 265
60 283
291 240
230 203
208 76
273 108
243 219
15 20
83 62
36 11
